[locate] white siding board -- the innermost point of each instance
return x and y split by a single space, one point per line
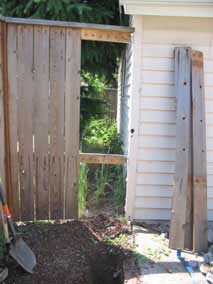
157 116
158 77
209 156
162 91
156 155
158 50
210 169
154 191
155 179
156 103
209 93
158 64
152 214
158 129
160 142
153 202
210 215
209 143
208 77
156 167
208 66
177 31
210 193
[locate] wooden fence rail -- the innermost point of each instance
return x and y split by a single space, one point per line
40 113
90 158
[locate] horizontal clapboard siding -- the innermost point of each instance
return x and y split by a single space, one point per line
157 118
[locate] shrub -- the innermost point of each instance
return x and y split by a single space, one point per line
102 136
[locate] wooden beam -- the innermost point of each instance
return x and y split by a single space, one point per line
90 158
200 240
95 32
181 217
102 35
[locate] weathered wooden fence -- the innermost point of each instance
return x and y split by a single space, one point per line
39 114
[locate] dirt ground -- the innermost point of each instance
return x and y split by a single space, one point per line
75 252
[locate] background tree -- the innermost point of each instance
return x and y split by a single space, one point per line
97 57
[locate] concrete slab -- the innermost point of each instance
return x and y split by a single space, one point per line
159 264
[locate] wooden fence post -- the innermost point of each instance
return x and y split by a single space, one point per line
2 141
5 151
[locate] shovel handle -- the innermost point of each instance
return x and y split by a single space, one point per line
5 225
7 212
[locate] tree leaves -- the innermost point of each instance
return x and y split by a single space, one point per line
97 58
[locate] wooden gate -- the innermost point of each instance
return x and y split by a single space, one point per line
40 113
43 67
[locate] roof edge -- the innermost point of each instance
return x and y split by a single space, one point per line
189 8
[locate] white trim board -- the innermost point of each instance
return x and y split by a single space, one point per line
189 8
136 91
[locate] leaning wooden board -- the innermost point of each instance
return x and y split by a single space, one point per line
200 242
181 218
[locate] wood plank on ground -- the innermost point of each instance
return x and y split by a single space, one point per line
25 122
56 121
40 117
13 122
200 240
181 215
72 121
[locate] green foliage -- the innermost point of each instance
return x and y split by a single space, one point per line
102 175
118 176
82 188
102 136
96 56
93 103
95 85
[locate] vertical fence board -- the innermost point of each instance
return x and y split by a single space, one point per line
200 240
57 90
12 92
44 106
2 130
25 126
40 117
72 121
181 218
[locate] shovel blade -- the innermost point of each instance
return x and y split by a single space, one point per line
23 255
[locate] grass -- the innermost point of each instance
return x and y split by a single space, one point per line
119 192
102 175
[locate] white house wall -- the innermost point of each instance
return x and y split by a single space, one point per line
156 135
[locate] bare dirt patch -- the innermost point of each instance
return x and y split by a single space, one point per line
75 252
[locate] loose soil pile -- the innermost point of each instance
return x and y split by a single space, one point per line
75 252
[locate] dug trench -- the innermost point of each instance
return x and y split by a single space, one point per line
74 252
